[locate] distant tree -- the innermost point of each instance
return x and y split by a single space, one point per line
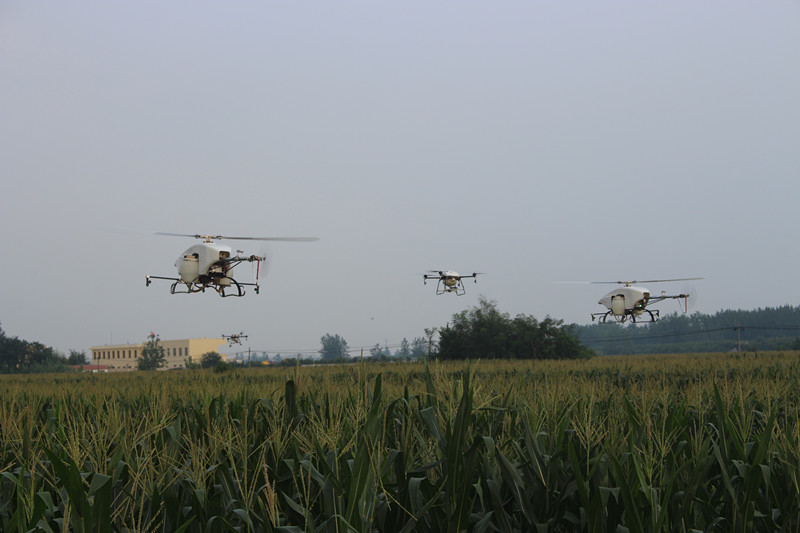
190 364
333 347
77 358
430 346
483 332
757 329
153 354
376 351
210 360
419 347
404 352
17 356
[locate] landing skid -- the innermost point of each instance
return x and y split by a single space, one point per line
602 317
458 289
181 287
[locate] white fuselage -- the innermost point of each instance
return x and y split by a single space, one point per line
199 261
626 299
450 278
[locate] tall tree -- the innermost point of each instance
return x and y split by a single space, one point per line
376 351
404 352
419 347
77 358
210 359
333 347
153 354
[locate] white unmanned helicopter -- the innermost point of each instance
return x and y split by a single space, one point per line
631 301
209 264
449 281
234 338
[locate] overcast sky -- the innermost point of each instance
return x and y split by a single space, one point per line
534 141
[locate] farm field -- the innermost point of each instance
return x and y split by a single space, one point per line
707 442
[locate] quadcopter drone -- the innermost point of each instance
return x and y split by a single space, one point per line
449 281
234 338
631 301
209 264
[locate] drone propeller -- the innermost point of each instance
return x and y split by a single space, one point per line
692 294
648 281
217 237
628 283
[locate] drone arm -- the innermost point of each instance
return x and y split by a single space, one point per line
239 259
667 297
149 279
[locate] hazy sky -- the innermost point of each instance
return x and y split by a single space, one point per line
534 141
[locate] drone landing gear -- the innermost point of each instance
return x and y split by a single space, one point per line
239 288
602 317
182 287
458 289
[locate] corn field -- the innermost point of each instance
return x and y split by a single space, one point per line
657 443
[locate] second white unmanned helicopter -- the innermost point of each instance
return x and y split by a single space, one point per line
449 281
630 301
209 264
234 338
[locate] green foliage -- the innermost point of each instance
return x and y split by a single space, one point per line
19 356
77 358
678 443
759 329
404 352
210 360
153 354
419 347
483 332
333 347
377 351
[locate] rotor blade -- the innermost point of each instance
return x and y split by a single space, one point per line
178 234
198 236
287 239
631 282
659 280
588 282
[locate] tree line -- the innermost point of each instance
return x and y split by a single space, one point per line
770 328
20 356
482 332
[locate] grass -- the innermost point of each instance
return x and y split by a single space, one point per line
652 443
